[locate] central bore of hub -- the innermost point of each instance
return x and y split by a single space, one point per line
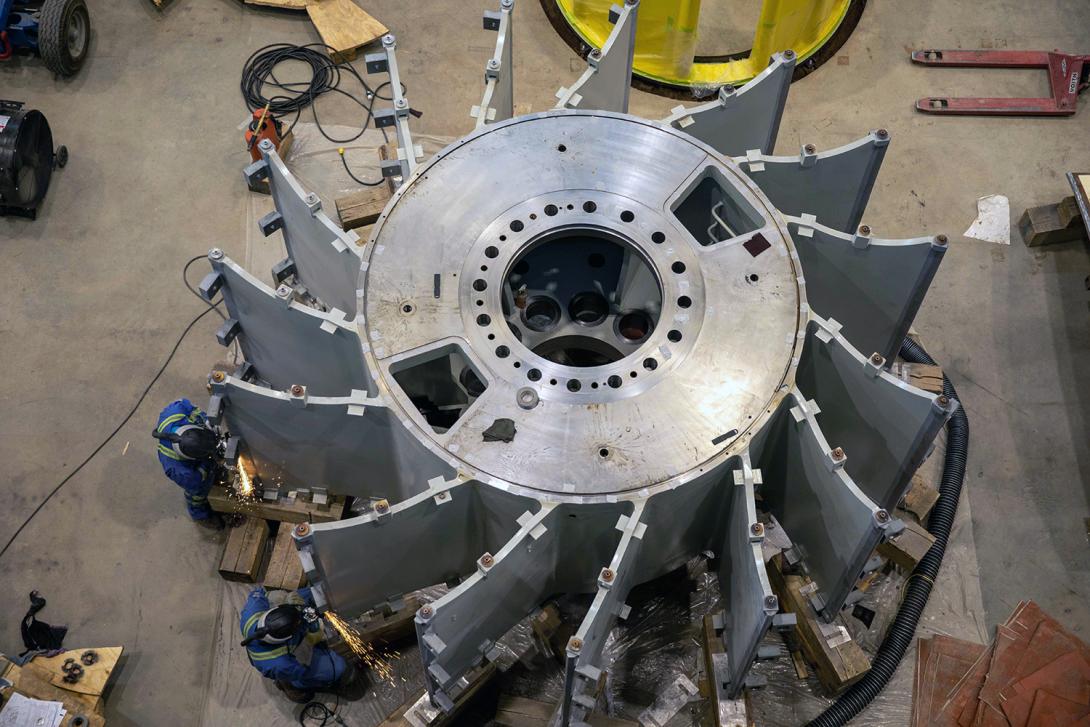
581 296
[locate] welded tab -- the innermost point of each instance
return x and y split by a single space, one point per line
408 153
326 258
831 522
498 101
505 588
873 291
292 343
584 649
743 580
885 424
833 185
607 81
293 440
373 559
742 119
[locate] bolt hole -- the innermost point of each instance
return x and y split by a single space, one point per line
674 335
503 351
491 336
484 319
754 277
533 375
484 268
574 385
571 206
614 381
603 452
627 216
533 216
491 251
516 225
684 301
589 206
552 382
658 238
502 238
650 364
561 148
633 374
480 302
479 285
594 385
551 209
678 267
518 364
407 308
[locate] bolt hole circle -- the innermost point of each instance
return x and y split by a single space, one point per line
480 284
627 216
614 381
678 267
574 385
684 301
674 335
658 237
551 210
484 319
650 364
589 206
503 351
533 375
516 225
491 251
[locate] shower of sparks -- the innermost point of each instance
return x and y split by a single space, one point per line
245 484
364 651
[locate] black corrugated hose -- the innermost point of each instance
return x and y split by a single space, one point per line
918 587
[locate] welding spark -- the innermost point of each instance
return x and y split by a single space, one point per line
364 651
245 484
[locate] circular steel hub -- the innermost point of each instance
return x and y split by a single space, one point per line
626 297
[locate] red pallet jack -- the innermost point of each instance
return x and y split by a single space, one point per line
1068 76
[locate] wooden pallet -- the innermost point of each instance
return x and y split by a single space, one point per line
344 26
244 551
41 678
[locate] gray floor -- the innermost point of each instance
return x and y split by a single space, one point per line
94 302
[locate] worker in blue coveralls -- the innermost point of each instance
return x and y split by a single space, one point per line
271 636
187 451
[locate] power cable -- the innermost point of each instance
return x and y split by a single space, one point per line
125 420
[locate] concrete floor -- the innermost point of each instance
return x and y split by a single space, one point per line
94 302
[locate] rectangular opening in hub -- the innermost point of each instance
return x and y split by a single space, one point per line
440 383
713 210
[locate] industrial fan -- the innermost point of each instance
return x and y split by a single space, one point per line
27 159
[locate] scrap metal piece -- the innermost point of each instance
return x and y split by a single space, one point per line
884 423
326 258
351 445
871 286
834 185
803 475
608 79
289 343
744 119
498 101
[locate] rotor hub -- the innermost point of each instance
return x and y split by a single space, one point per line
558 271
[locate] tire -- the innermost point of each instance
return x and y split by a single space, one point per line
64 35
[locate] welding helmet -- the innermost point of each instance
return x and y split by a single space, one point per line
190 441
277 625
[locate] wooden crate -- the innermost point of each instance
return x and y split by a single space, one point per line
244 551
284 571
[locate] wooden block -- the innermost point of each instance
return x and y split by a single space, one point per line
386 152
31 683
837 667
284 570
907 547
244 550
362 208
1052 223
922 376
344 26
282 510
432 717
920 498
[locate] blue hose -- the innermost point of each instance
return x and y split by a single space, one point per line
919 584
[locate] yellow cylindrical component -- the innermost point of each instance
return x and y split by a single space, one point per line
667 31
